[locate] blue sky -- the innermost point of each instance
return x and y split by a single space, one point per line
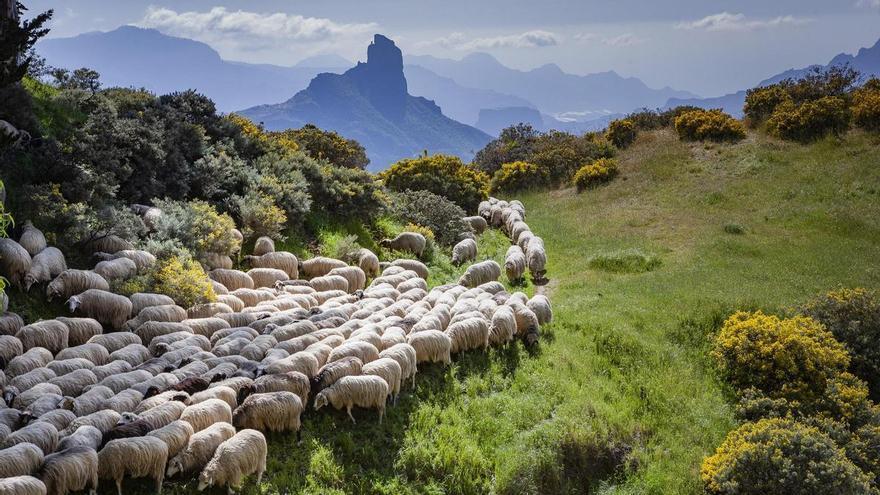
706 46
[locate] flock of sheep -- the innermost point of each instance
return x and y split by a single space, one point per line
174 391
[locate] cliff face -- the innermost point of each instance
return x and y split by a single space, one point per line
370 103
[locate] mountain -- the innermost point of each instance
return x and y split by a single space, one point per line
866 61
548 87
493 120
370 103
132 56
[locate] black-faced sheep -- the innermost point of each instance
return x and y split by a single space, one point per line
106 307
136 457
242 455
363 391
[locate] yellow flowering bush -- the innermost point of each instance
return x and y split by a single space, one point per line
621 133
866 106
761 102
442 175
709 125
781 456
518 176
810 120
280 141
593 174
184 280
791 358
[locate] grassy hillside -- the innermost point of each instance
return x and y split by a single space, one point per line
619 397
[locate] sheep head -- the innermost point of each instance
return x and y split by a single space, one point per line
9 394
29 280
174 466
67 403
206 479
321 400
74 302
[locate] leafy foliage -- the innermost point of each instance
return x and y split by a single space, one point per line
593 174
442 175
621 133
513 144
519 176
184 280
441 216
810 120
866 106
260 216
761 102
197 225
16 40
709 125
328 145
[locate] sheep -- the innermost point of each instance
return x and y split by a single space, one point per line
89 402
115 341
11 418
49 334
59 418
480 273
206 327
432 346
477 223
235 383
264 245
367 391
40 433
464 251
232 279
204 414
73 383
242 455
136 457
527 325
225 394
152 329
191 369
10 322
540 305
84 436
484 209
200 448
95 353
212 261
355 276
143 260
80 330
35 357
319 266
133 354
165 313
116 269
20 459
406 356
163 414
292 381
266 277
124 401
141 300
112 368
106 307
364 351
11 348
219 288
417 266
109 244
412 242
304 362
503 325
468 334
258 347
280 260
329 283
514 264
29 396
22 485
45 266
269 411
175 434
389 370
368 262
121 381
71 282
15 261
150 215
161 381
536 258
103 420
234 302
331 372
43 405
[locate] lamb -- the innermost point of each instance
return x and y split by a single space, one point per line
270 411
141 300
103 420
536 258
115 341
540 305
406 356
514 264
432 346
232 279
355 276
412 242
143 260
39 433
95 353
84 436
204 414
368 262
45 266
200 448
11 348
364 351
329 282
367 391
80 330
280 260
468 334
133 354
116 269
464 251
89 402
48 334
417 266
19 460
71 282
165 313
319 266
263 246
137 457
22 485
176 435
389 370
15 261
9 322
480 273
106 307
266 277
73 383
242 455
503 326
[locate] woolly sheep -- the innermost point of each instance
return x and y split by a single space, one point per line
150 215
103 420
49 334
263 245
11 348
251 297
70 470
112 368
206 327
20 459
152 329
416 266
331 372
234 302
464 251
319 266
124 401
45 266
9 322
165 313
59 418
304 362
110 244
11 418
270 411
15 261
143 260
133 354
242 455
412 242
280 260
293 381
80 330
32 394
368 262
540 305
84 436
95 353
329 283
480 273
115 341
431 346
391 337
106 307
526 321
22 485
121 381
368 391
355 276
266 277
235 383
176 435
514 264
471 333
163 414
200 448
406 357
204 414
503 325
212 261
389 370
536 258
364 351
137 457
225 394
73 383
141 300
116 269
39 433
232 279
71 282
89 402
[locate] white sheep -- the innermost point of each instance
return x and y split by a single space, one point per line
431 346
464 251
514 264
368 262
164 313
106 307
49 334
203 414
242 455
103 420
71 282
35 357
46 265
389 370
280 260
406 356
356 277
70 470
412 242
536 257
109 244
22 485
39 433
264 245
362 350
467 334
200 448
266 277
363 391
503 326
32 239
116 269
232 279
540 305
329 283
9 322
20 459
143 260
137 457
272 411
141 300
212 261
88 402
175 434
80 330
477 223
420 269
114 341
225 394
84 436
95 353
304 362
73 383
124 401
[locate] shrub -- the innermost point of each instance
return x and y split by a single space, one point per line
260 216
790 358
624 261
340 246
343 192
518 176
761 102
811 120
781 456
442 175
443 217
621 133
853 316
197 226
866 106
515 143
327 145
734 228
184 280
596 173
709 125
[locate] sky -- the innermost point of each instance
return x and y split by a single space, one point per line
709 47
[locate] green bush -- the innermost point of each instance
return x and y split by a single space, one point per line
621 133
197 226
515 143
853 316
328 145
762 101
792 358
442 175
599 172
260 216
709 125
781 456
518 176
184 280
866 106
441 216
810 120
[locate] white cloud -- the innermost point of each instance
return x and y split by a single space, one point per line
725 21
626 39
871 4
529 39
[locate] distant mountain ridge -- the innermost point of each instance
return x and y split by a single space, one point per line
371 103
866 61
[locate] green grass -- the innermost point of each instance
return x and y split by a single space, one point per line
624 261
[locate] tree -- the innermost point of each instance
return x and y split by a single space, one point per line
330 146
83 78
16 39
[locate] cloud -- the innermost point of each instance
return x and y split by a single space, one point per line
626 39
249 26
725 21
529 39
871 4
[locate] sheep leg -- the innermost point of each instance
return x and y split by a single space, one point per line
350 416
159 484
118 486
381 413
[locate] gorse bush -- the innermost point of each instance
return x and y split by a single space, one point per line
866 106
790 358
519 176
596 173
328 145
762 102
514 143
781 456
649 120
810 120
709 125
621 133
441 216
442 175
184 280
